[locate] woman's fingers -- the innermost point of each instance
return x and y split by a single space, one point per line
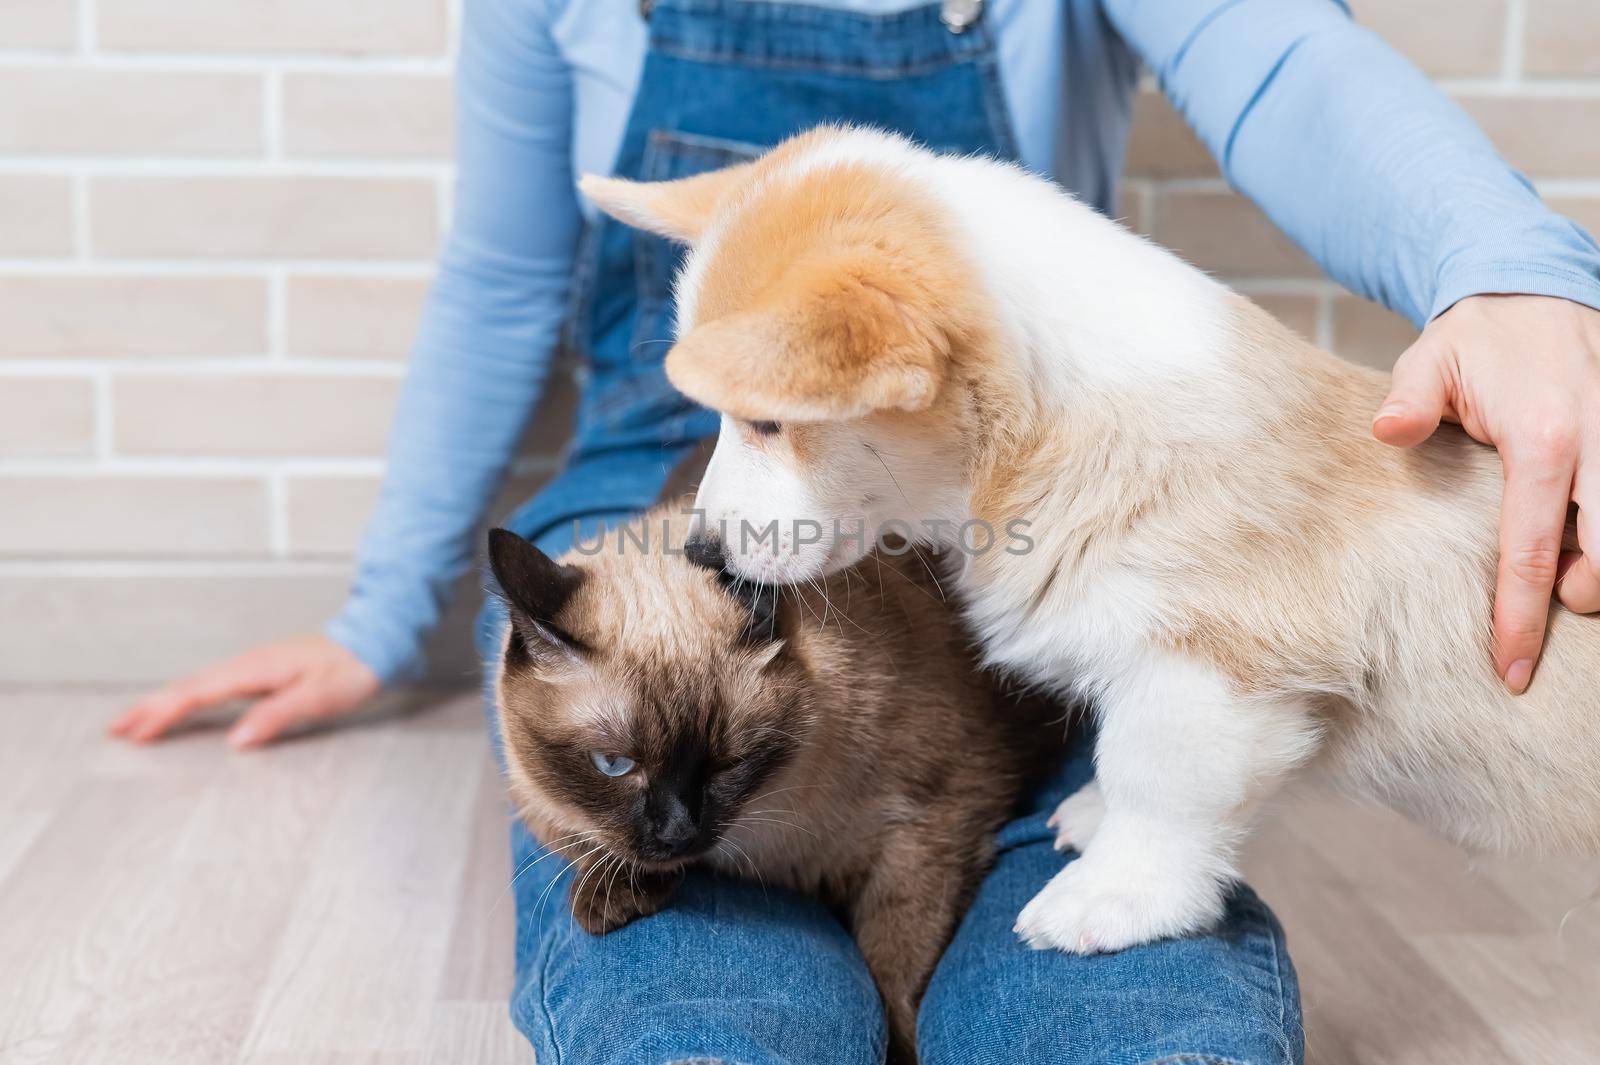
298 679
1579 587
276 714
156 714
1532 518
1419 397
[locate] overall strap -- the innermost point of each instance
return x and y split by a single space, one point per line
722 81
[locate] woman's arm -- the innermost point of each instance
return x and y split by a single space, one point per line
1353 153
487 334
1400 197
480 359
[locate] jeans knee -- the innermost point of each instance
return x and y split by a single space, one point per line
729 973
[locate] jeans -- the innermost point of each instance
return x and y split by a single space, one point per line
736 973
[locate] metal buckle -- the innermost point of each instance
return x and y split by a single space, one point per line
959 15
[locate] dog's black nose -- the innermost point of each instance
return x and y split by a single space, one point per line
704 551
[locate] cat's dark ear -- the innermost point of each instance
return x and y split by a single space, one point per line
536 588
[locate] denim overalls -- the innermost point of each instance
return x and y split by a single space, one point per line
733 972
723 81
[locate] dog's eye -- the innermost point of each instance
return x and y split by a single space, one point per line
765 428
612 765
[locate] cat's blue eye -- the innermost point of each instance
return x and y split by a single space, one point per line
612 765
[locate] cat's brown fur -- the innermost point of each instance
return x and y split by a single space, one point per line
862 756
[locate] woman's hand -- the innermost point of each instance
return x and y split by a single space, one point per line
1521 373
308 678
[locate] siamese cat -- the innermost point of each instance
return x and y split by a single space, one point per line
837 739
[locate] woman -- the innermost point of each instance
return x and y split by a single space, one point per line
1346 146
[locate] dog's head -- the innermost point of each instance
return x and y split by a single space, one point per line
824 309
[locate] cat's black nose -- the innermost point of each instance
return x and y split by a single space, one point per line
677 836
674 822
705 551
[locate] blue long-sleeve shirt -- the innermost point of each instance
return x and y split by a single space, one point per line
1384 181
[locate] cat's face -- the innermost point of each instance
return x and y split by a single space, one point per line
643 705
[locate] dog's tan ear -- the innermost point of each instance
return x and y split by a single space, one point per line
679 210
834 339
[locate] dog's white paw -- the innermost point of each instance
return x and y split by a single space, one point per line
1096 907
1077 818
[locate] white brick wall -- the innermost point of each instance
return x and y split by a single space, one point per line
216 225
217 221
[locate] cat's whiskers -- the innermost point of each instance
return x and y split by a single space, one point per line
791 818
779 791
749 862
533 860
816 583
825 778
780 822
538 909
802 600
843 615
895 571
605 858
617 867
879 562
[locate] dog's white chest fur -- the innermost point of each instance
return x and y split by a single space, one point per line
1072 639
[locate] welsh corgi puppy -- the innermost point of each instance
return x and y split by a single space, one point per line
1212 548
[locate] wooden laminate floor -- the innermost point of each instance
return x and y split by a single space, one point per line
339 900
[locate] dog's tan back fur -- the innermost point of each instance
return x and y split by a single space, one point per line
1321 562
